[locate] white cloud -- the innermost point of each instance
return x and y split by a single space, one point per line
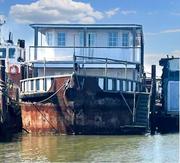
112 12
116 10
154 58
128 12
177 30
58 11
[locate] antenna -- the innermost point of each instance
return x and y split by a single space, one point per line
2 22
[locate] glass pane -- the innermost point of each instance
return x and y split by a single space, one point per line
2 53
61 39
11 52
113 38
125 39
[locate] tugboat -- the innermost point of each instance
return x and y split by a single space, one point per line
85 79
10 75
168 113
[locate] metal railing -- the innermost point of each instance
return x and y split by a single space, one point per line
52 53
35 85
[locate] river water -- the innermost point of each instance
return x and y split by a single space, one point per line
125 149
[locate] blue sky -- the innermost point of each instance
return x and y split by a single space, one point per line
160 19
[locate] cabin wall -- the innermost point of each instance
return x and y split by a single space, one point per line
171 85
72 37
75 38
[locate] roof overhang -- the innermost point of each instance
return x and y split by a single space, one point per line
87 26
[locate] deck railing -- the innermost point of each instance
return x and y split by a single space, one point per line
54 53
43 84
35 85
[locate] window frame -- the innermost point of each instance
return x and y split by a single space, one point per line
113 39
125 39
61 39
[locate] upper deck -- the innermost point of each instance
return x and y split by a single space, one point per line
59 42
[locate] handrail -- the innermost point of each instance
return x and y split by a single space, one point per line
108 59
45 77
87 47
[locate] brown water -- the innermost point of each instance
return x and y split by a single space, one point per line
125 149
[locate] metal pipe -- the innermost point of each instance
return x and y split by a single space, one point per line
106 68
44 74
125 70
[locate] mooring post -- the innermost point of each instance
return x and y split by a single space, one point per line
134 107
153 99
2 93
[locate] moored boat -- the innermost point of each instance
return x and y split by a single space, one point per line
91 93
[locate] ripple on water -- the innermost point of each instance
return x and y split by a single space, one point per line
153 149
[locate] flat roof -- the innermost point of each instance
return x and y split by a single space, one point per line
95 26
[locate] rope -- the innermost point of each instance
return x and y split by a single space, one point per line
126 103
52 94
36 106
44 117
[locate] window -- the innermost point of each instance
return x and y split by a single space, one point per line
49 37
129 86
138 39
11 52
81 39
110 85
101 83
2 53
118 85
113 38
124 85
125 39
32 85
37 85
134 86
61 39
91 39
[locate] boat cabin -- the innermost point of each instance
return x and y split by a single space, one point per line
171 85
58 46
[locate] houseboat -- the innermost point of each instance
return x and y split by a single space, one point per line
85 79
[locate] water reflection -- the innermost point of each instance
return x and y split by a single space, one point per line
28 148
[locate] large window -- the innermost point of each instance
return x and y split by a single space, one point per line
61 39
91 37
125 39
49 37
113 38
81 39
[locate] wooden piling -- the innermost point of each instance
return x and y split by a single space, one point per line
3 106
153 99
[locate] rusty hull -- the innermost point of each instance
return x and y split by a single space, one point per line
80 107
